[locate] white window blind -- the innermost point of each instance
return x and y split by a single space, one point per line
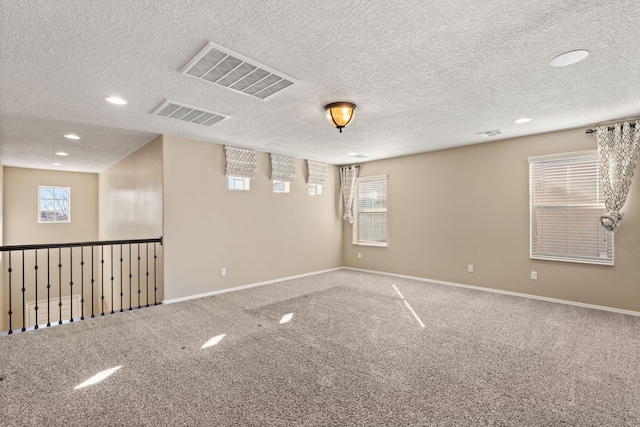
566 202
370 219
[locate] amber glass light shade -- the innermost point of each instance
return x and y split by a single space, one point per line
340 114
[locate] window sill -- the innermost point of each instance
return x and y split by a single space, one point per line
380 245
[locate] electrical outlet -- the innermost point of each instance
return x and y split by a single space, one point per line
359 255
470 268
534 275
223 271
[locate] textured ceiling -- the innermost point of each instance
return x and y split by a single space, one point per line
425 75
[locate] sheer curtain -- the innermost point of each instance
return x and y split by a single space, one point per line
618 149
348 177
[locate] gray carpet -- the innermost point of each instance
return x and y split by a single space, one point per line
352 355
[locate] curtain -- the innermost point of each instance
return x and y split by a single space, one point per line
283 168
241 162
318 173
348 177
618 149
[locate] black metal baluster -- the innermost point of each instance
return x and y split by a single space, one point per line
71 284
112 279
81 282
102 282
121 293
48 288
130 276
93 301
147 267
24 314
155 276
60 284
139 306
36 307
10 312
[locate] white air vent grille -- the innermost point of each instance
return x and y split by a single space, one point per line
216 64
489 133
187 113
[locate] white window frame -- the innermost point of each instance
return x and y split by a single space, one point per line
281 186
235 183
55 200
579 237
357 210
315 189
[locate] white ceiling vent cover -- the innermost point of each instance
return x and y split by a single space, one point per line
216 64
489 133
187 113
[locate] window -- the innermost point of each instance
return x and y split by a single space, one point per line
370 211
566 202
315 189
236 183
53 204
281 186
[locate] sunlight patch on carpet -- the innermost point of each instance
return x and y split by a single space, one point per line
213 341
98 377
286 318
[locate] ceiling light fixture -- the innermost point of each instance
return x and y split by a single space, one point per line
116 100
340 114
61 153
56 164
71 136
569 58
523 120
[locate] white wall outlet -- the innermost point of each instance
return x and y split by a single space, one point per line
359 255
470 268
223 271
534 275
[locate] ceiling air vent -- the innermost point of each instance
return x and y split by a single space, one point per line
187 113
489 133
216 64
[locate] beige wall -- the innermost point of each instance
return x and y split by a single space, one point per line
131 207
256 235
20 226
470 205
21 207
131 195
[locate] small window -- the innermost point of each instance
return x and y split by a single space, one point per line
566 202
53 204
315 189
237 183
370 211
281 186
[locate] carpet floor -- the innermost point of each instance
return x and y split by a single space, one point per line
343 348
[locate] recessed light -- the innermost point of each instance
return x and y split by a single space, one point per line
61 153
71 136
116 100
523 120
56 164
352 154
569 58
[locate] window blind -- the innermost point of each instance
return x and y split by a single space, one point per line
241 162
283 168
372 211
566 202
318 173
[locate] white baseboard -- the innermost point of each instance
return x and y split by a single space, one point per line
499 291
252 285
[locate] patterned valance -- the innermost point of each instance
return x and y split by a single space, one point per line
283 168
318 173
241 162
